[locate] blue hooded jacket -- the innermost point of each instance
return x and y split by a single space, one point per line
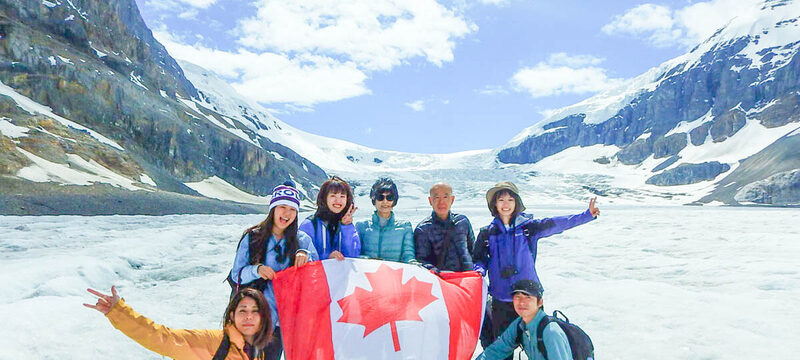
498 248
345 240
249 272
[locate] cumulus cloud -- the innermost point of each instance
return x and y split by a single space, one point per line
563 74
662 26
202 4
376 34
267 77
310 51
418 105
494 2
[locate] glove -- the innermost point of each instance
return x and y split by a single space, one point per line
479 269
431 268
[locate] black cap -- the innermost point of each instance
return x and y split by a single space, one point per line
527 287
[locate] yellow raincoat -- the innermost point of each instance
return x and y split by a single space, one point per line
179 344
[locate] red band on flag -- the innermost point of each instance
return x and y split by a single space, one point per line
302 294
465 314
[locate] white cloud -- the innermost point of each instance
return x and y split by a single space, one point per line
494 2
266 77
492 90
304 52
687 26
418 105
573 61
189 14
376 34
563 74
202 4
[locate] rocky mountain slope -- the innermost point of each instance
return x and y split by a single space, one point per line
725 115
88 96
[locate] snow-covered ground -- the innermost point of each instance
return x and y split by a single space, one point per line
644 282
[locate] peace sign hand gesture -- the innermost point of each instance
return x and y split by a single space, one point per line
347 219
592 209
104 302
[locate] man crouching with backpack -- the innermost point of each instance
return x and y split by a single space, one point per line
527 299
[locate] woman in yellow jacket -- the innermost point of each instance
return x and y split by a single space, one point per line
247 329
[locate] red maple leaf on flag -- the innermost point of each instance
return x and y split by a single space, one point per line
389 301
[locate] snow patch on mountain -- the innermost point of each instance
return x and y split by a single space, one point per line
11 130
687 126
217 188
750 139
34 108
77 171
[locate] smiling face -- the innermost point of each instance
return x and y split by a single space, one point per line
246 317
441 199
505 206
336 202
526 306
384 202
282 217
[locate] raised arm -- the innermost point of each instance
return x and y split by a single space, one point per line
540 228
174 343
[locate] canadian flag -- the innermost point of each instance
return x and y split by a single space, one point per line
372 309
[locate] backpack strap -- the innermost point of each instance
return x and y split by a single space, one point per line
520 331
224 346
540 334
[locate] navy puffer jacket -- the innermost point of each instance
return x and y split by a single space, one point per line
429 240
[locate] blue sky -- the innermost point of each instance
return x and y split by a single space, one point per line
427 76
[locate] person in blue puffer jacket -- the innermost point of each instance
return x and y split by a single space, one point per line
331 227
507 248
384 236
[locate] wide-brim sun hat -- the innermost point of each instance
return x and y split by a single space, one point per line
504 185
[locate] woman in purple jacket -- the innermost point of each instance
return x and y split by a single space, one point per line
331 227
507 247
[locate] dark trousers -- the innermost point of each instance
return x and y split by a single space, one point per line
502 315
275 346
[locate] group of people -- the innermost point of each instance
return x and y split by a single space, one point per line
505 250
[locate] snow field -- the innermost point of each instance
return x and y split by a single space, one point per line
644 282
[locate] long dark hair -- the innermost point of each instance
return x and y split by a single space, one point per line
517 203
264 334
260 233
334 185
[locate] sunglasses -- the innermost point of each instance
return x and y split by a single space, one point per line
387 197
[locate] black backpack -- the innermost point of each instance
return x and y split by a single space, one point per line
579 342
